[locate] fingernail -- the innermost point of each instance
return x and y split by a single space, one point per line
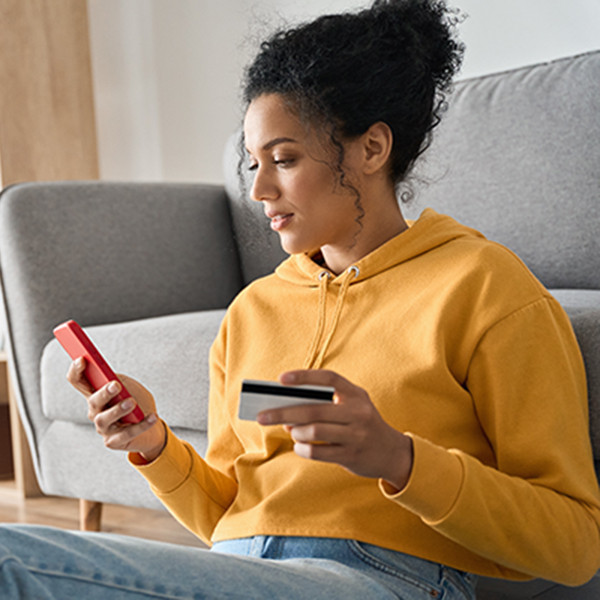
113 387
127 404
152 419
288 378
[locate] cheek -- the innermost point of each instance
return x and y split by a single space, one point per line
319 189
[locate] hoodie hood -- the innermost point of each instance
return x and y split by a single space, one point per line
430 231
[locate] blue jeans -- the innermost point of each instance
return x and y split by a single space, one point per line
42 563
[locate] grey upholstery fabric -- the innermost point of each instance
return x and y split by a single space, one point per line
517 157
583 308
75 464
104 253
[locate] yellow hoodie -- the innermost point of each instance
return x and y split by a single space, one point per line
458 345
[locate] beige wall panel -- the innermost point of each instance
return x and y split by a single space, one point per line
47 126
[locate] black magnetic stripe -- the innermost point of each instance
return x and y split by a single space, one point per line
292 392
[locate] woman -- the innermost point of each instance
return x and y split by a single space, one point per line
442 348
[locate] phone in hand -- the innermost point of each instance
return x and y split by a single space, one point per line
97 371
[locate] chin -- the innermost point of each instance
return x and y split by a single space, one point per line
291 246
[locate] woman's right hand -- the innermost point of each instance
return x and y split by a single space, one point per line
148 437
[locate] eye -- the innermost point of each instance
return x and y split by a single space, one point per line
283 162
252 166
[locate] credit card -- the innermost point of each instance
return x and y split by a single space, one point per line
257 396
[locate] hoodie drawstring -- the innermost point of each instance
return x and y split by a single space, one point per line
314 360
323 285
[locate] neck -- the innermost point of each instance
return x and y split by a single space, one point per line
382 221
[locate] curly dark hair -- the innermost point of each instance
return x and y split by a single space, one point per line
392 62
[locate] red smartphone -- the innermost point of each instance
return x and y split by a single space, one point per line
97 371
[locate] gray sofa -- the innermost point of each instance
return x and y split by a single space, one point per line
149 269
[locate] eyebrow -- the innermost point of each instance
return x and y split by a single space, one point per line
274 142
278 140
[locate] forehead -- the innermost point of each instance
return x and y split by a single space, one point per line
269 116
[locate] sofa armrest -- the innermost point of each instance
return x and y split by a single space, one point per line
169 356
103 253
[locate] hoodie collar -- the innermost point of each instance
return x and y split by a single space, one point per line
429 231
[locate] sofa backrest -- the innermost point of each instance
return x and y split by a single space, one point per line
517 156
258 246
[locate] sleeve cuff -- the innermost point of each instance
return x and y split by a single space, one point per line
434 484
170 469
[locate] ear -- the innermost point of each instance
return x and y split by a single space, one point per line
377 144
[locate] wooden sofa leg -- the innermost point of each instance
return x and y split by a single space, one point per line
90 515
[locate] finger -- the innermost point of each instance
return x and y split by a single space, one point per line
326 433
76 377
341 385
123 437
99 400
303 414
109 419
331 453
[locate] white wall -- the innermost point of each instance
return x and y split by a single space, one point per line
166 72
503 34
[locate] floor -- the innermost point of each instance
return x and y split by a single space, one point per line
64 513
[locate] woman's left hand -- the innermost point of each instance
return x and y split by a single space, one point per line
350 432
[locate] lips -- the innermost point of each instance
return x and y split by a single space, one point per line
279 220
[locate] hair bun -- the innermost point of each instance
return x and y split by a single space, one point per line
424 29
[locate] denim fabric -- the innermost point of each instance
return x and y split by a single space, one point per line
43 563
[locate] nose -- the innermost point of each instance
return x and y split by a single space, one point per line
263 186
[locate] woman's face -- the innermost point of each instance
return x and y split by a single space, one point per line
294 180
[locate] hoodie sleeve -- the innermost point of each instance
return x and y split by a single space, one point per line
196 494
537 510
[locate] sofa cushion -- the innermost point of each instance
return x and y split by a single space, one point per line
583 308
169 355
